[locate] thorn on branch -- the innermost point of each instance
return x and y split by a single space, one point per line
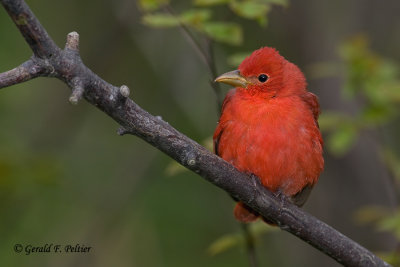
72 41
77 91
122 131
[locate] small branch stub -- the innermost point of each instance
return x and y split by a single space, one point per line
124 91
72 41
122 95
122 131
77 91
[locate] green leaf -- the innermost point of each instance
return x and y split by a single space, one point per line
151 5
361 64
385 87
211 2
195 17
329 121
160 20
225 243
235 59
284 3
392 258
225 32
235 239
374 115
391 91
366 71
371 214
251 10
392 224
342 139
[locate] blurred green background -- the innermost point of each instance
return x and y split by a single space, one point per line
67 178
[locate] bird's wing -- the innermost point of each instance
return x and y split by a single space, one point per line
312 102
217 136
301 197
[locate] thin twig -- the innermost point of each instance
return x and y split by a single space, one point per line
24 72
250 244
205 54
189 36
247 189
213 69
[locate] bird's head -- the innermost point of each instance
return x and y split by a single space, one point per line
266 72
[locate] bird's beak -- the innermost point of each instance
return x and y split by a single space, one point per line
233 78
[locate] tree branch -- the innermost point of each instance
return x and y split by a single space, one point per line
25 72
33 32
66 65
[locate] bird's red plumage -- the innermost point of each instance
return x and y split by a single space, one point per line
270 129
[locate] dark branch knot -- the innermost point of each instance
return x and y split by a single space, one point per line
72 41
191 162
190 158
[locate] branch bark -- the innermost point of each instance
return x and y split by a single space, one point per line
65 64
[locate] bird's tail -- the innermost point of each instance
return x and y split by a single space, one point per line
244 214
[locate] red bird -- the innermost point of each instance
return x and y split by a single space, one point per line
268 127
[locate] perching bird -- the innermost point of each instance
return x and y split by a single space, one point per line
268 127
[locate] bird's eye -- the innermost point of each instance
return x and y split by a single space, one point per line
263 78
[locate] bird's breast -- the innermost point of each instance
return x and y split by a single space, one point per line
277 139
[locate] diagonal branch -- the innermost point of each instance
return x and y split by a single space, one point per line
66 65
33 32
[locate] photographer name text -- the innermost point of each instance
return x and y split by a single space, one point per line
30 249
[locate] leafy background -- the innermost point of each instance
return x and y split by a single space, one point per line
67 178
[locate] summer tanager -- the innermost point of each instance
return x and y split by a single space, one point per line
268 127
